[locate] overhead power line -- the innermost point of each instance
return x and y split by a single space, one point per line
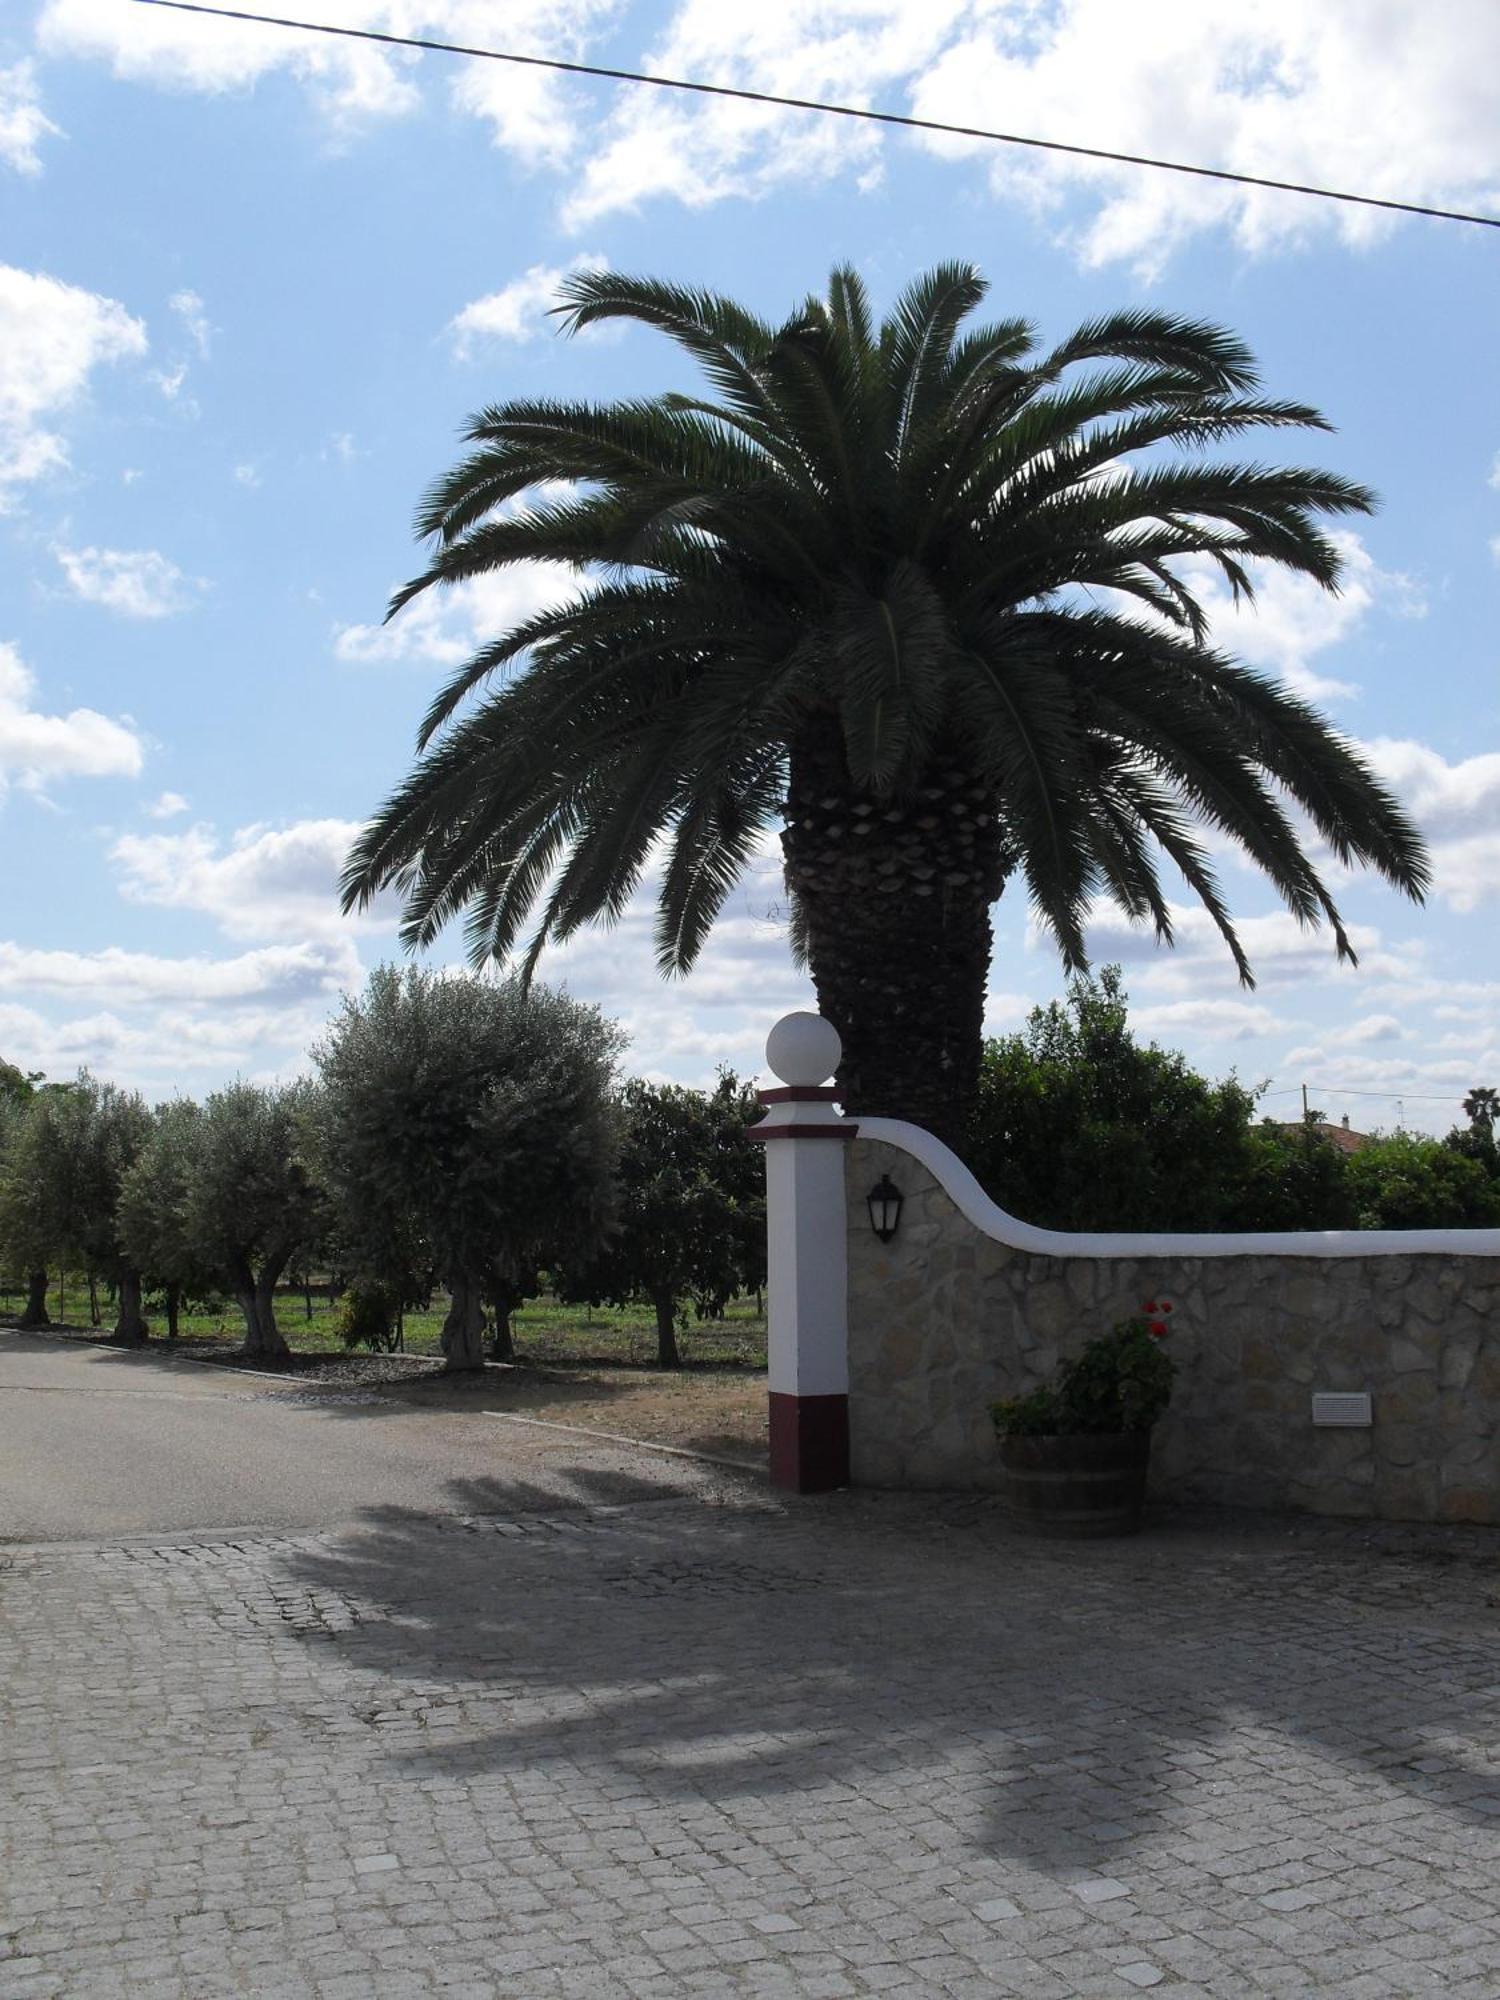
1347 1090
896 118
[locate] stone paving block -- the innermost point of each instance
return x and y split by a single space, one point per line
866 1745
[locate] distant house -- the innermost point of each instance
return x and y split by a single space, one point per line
1340 1135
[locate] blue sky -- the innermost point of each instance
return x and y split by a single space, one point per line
251 283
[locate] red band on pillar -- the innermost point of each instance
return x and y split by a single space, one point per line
809 1442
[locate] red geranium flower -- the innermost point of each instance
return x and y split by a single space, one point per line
1157 1329
1150 1306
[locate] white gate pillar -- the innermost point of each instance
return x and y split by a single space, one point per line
807 1309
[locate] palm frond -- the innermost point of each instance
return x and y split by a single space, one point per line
903 537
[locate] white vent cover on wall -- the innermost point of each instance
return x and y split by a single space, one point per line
1348 1411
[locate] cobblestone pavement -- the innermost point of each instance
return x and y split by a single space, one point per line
698 1746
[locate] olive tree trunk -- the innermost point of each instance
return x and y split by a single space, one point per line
256 1299
130 1324
667 1355
503 1301
271 1341
893 897
463 1329
36 1313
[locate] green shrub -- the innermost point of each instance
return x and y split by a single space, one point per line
1405 1182
368 1315
1122 1381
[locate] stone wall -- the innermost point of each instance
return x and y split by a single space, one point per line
946 1318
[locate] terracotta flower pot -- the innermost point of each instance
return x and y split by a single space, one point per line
1075 1486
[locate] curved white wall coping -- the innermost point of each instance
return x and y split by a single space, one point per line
972 1202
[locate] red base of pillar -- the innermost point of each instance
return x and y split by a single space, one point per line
809 1442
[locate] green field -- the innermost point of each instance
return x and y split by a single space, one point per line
546 1331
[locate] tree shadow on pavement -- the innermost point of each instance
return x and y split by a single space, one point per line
1058 1704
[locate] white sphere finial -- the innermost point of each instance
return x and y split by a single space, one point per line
803 1049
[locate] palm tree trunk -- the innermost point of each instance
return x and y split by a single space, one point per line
894 900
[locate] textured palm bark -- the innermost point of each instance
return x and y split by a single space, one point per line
895 898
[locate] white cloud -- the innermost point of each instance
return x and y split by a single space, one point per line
702 150
1387 1078
1281 89
539 117
1294 619
1223 1020
138 583
265 882
247 475
170 381
52 336
1495 472
518 311
167 806
1280 950
197 1046
1457 806
189 309
288 974
35 747
23 124
446 626
1373 1028
351 83
682 1029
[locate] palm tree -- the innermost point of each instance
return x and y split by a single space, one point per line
1482 1108
922 598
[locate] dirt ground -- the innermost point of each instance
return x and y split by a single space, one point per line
721 1411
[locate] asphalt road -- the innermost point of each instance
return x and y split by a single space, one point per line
98 1442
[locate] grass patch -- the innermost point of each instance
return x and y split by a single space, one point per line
548 1333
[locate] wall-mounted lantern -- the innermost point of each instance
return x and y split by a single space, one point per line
884 1203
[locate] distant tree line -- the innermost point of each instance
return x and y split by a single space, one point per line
460 1135
1080 1126
466 1137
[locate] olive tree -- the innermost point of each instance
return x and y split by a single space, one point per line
474 1117
691 1205
63 1176
27 1235
152 1212
251 1199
